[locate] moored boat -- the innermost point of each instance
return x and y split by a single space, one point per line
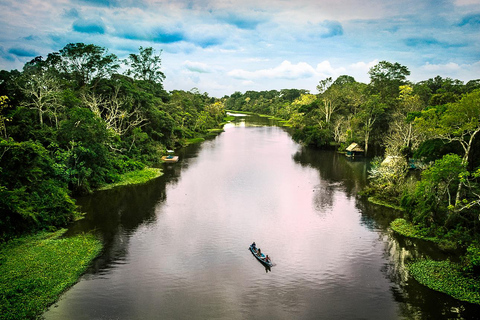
260 256
170 157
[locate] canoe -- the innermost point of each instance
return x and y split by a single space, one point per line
261 257
170 158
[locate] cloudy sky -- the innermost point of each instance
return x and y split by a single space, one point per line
223 46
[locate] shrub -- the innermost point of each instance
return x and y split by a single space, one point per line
471 260
31 198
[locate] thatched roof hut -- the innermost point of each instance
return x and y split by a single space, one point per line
354 147
354 150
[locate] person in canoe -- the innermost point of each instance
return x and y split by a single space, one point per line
259 252
254 246
267 258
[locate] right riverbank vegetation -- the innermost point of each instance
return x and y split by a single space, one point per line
81 118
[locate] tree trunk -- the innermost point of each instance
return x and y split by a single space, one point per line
464 162
367 137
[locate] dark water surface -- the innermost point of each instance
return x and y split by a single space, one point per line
177 247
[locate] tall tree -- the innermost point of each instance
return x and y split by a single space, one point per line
403 136
87 63
3 105
369 114
146 65
41 90
386 78
329 96
118 112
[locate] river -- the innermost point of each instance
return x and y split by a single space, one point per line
177 247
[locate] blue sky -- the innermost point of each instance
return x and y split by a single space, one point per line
223 46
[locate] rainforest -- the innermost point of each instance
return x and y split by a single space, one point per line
81 119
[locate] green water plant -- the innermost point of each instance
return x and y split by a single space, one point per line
407 229
35 270
135 177
446 277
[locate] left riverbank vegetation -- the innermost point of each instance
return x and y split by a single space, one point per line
424 141
36 269
71 122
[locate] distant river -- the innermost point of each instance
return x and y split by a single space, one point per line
176 247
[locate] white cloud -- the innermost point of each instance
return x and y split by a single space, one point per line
359 70
363 66
286 70
438 67
198 67
464 72
325 69
201 39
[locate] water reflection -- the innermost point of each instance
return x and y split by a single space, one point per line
335 168
415 300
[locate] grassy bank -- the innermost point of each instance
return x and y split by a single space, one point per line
135 177
407 229
35 270
443 276
384 203
446 277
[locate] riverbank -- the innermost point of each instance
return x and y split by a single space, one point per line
443 276
36 269
384 203
135 177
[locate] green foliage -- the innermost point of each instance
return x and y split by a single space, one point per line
386 78
471 259
3 105
85 64
145 65
31 197
407 229
430 201
135 177
313 136
446 277
433 149
35 270
83 152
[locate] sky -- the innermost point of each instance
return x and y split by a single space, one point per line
224 46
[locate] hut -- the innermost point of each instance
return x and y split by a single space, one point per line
354 150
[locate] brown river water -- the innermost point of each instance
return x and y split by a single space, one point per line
177 247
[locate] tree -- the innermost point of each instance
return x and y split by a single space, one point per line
146 65
3 105
386 78
371 110
329 96
403 136
31 196
42 92
118 113
86 63
344 80
434 193
459 122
